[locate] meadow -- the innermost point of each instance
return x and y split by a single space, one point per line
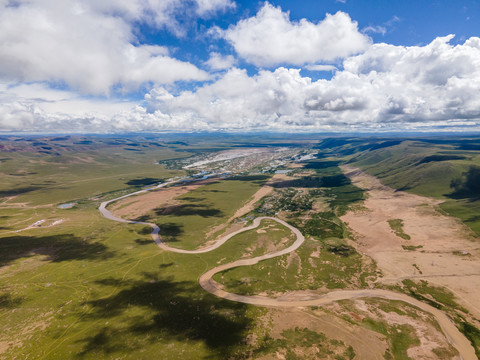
443 168
91 288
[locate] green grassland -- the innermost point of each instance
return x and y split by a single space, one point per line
184 225
95 288
92 288
308 345
326 260
442 168
74 172
98 289
331 270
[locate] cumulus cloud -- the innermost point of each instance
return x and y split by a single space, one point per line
271 38
89 46
37 107
218 61
206 7
320 67
385 88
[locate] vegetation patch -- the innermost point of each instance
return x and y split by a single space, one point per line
444 300
397 226
411 247
303 343
324 225
471 332
436 296
461 253
325 260
401 337
289 199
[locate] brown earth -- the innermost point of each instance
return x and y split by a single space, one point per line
439 235
423 324
368 345
136 206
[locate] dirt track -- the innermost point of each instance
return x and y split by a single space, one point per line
206 281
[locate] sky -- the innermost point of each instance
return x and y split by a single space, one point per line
117 66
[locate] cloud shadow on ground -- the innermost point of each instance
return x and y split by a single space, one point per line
57 248
189 209
177 311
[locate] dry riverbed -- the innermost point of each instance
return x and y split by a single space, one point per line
447 253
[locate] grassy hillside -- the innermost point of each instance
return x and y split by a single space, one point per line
70 169
442 168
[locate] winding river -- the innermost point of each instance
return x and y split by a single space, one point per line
453 335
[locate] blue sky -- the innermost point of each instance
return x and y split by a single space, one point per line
397 22
191 65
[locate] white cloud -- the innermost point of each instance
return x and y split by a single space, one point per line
387 26
205 7
161 14
320 67
37 107
89 46
218 61
270 38
385 88
375 29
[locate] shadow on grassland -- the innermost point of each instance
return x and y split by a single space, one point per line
467 186
4 217
321 164
256 179
57 248
170 232
189 209
7 302
18 191
193 199
314 182
144 242
165 311
143 182
143 218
